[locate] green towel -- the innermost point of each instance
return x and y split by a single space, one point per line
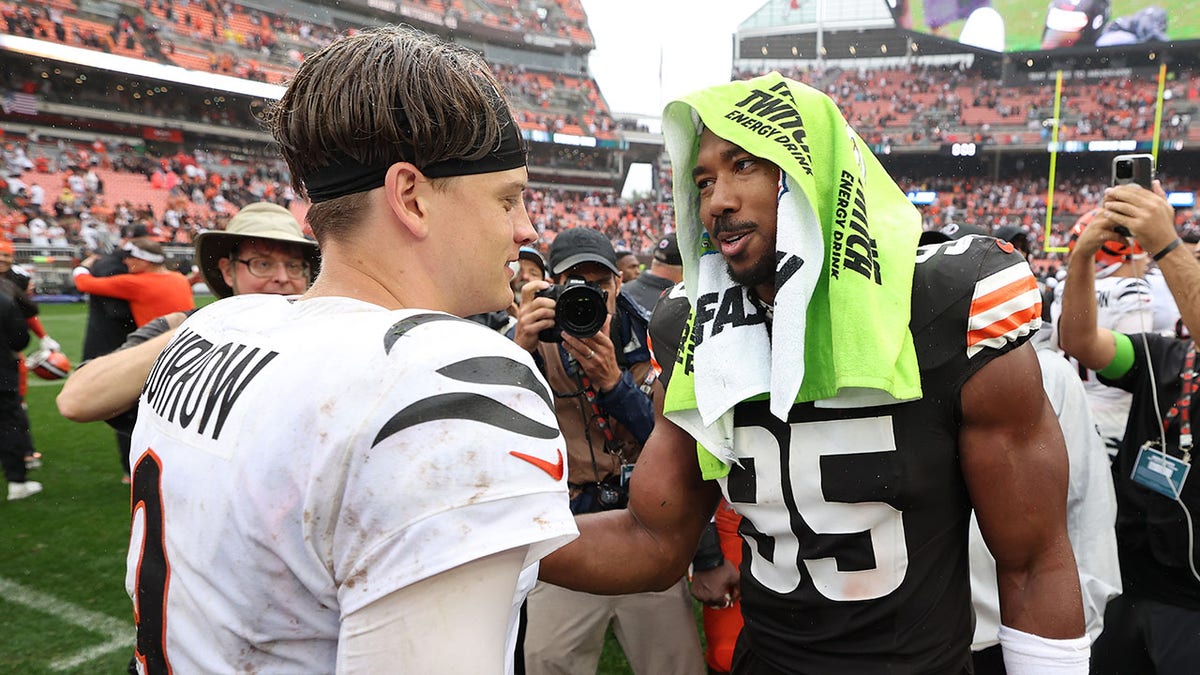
847 240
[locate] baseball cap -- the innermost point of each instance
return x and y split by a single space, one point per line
531 254
667 251
950 231
1015 235
261 220
579 245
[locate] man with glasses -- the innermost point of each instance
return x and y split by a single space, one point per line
262 250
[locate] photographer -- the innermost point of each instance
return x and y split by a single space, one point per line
605 390
1152 627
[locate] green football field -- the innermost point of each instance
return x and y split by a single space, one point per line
62 552
1025 19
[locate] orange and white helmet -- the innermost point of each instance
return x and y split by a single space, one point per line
48 364
1111 252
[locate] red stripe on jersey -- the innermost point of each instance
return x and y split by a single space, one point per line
1002 295
1005 325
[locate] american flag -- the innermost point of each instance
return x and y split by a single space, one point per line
17 102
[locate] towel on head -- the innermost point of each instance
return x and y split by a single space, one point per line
846 240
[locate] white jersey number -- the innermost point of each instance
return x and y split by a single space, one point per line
784 477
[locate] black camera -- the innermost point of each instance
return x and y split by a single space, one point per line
580 309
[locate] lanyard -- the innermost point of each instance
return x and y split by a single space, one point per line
589 392
1183 406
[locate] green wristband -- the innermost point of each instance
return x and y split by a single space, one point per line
1122 361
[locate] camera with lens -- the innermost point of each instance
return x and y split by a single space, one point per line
580 309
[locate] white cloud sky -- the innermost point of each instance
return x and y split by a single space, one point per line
694 38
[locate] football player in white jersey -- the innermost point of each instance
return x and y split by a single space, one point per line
357 480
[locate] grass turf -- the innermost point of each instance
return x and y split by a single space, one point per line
67 544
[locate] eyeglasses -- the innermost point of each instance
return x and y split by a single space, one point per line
264 268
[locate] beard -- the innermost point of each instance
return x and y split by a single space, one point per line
761 271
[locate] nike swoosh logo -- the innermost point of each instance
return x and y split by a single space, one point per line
555 470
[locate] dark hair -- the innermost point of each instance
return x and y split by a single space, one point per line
381 96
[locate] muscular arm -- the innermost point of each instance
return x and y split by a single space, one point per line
1015 465
109 385
1182 272
453 622
647 546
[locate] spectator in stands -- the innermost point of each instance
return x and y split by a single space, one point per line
151 290
1152 627
605 390
629 265
262 250
666 270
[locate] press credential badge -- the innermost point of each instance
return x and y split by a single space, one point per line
1160 472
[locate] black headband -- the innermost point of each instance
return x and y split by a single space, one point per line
347 176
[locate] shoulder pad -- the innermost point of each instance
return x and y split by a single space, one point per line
971 294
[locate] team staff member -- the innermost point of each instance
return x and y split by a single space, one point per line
19 289
109 321
261 250
1152 627
854 516
666 270
15 441
367 479
19 278
152 290
604 390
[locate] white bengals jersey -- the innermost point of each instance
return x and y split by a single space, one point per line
1166 311
295 461
1126 305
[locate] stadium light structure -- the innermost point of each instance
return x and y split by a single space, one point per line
138 67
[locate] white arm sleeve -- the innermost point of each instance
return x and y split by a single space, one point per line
1029 654
453 622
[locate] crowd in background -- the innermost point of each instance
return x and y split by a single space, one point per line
916 104
62 194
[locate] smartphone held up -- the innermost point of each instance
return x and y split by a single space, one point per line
1137 169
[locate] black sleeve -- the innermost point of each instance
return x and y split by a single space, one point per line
708 554
12 324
